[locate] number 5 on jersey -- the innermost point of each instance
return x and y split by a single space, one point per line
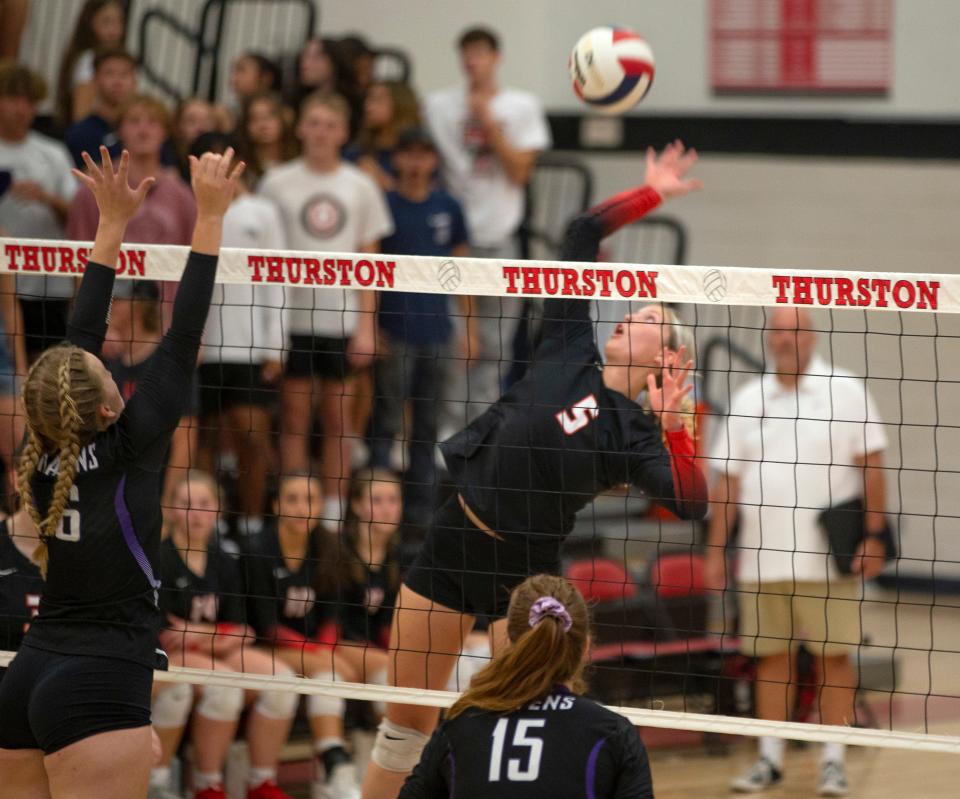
515 771
69 527
580 415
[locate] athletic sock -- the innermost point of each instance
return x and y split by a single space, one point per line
833 753
332 756
771 750
160 776
202 781
257 776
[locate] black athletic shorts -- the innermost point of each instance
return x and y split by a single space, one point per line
49 701
463 568
229 385
318 356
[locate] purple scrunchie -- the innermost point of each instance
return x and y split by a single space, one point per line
550 606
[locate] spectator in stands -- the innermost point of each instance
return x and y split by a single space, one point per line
488 138
115 84
40 188
13 366
241 361
192 118
168 212
316 71
416 328
359 58
358 574
202 600
14 14
132 338
22 584
328 206
812 432
390 108
252 73
283 571
265 135
100 25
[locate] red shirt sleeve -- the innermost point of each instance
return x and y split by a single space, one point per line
689 484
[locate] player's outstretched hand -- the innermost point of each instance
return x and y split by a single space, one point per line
117 200
667 173
214 182
666 399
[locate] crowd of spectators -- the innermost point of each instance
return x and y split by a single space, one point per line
337 161
318 412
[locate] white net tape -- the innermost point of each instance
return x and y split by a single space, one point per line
666 719
710 285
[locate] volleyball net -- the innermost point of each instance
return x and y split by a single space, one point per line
667 650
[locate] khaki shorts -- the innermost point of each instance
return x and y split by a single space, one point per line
777 617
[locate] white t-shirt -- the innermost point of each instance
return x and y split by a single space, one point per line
246 323
326 212
794 451
42 160
474 174
83 68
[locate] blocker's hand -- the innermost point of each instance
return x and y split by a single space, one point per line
667 173
214 183
116 199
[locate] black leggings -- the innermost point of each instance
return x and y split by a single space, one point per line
465 569
49 701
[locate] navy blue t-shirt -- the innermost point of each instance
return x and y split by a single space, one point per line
93 130
432 227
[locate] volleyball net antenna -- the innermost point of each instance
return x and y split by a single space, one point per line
667 651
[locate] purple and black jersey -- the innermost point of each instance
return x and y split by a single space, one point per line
101 595
562 746
20 589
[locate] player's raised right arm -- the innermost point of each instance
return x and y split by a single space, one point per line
161 396
117 203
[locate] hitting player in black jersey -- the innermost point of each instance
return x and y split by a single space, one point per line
522 729
566 432
75 702
20 580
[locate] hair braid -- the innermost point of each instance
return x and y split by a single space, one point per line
26 468
70 424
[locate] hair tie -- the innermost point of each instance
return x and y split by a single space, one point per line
550 606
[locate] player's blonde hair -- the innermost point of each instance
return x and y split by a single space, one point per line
60 397
539 657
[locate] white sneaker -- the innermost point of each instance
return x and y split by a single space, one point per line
833 780
342 784
761 775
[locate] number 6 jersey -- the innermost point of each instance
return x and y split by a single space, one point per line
562 747
101 594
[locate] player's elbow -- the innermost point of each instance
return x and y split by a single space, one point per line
692 509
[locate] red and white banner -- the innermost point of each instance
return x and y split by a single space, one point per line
709 285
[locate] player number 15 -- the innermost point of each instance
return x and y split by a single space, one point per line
521 739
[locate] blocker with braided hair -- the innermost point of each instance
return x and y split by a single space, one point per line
75 702
522 728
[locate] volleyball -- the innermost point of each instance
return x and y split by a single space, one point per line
611 69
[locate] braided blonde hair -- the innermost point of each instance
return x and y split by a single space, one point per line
61 397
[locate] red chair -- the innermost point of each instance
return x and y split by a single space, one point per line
601 580
678 574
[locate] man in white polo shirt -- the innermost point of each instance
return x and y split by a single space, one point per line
800 439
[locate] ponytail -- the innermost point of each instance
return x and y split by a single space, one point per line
548 626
